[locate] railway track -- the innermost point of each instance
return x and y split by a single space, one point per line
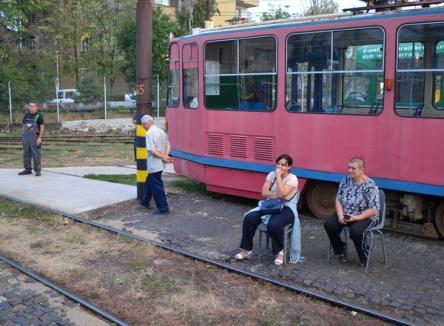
228 267
89 306
71 139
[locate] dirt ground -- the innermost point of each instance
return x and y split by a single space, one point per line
145 285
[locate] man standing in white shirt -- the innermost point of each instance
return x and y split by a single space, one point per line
158 148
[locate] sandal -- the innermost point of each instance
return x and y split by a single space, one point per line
244 254
279 260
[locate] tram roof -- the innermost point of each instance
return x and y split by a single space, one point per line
312 20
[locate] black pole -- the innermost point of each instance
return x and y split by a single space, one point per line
144 50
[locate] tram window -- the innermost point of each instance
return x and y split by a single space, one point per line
251 85
221 58
190 88
347 80
438 77
257 55
420 70
173 88
190 75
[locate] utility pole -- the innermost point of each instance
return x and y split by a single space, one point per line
144 80
207 10
144 50
208 7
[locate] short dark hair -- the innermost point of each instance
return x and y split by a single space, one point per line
285 157
35 102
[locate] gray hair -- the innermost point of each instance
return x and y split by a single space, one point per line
147 118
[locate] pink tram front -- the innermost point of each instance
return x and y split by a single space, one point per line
323 91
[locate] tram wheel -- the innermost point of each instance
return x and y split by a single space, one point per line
321 198
439 218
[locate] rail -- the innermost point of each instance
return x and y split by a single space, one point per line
224 266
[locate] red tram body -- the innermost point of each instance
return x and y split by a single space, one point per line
323 90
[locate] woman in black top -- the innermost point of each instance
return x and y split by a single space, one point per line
357 205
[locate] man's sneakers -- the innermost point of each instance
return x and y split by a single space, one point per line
38 173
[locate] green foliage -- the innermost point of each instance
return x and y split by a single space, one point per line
89 90
162 28
198 14
275 14
126 41
183 21
321 7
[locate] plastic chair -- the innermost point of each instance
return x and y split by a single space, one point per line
369 232
263 228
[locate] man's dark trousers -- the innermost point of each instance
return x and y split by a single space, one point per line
154 188
30 149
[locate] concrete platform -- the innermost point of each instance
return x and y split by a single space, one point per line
80 171
67 193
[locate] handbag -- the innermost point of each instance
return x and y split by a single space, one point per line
271 205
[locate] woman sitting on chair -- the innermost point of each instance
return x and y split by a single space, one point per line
357 205
278 184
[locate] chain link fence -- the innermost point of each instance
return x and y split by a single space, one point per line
98 98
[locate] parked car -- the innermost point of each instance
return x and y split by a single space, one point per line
66 95
130 97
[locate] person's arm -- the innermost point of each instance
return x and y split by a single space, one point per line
364 215
166 152
160 155
338 204
282 190
42 131
266 192
340 212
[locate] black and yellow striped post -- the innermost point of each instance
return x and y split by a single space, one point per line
141 155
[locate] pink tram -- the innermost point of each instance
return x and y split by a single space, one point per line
323 89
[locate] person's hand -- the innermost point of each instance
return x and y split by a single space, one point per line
39 141
167 159
341 219
353 218
279 172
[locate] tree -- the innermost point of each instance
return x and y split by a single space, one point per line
95 23
275 14
22 61
183 20
321 7
126 40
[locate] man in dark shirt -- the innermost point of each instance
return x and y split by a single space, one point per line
33 130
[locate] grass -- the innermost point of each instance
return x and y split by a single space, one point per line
67 115
189 186
58 155
128 179
137 265
186 185
12 209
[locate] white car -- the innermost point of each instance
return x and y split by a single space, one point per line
130 97
66 96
